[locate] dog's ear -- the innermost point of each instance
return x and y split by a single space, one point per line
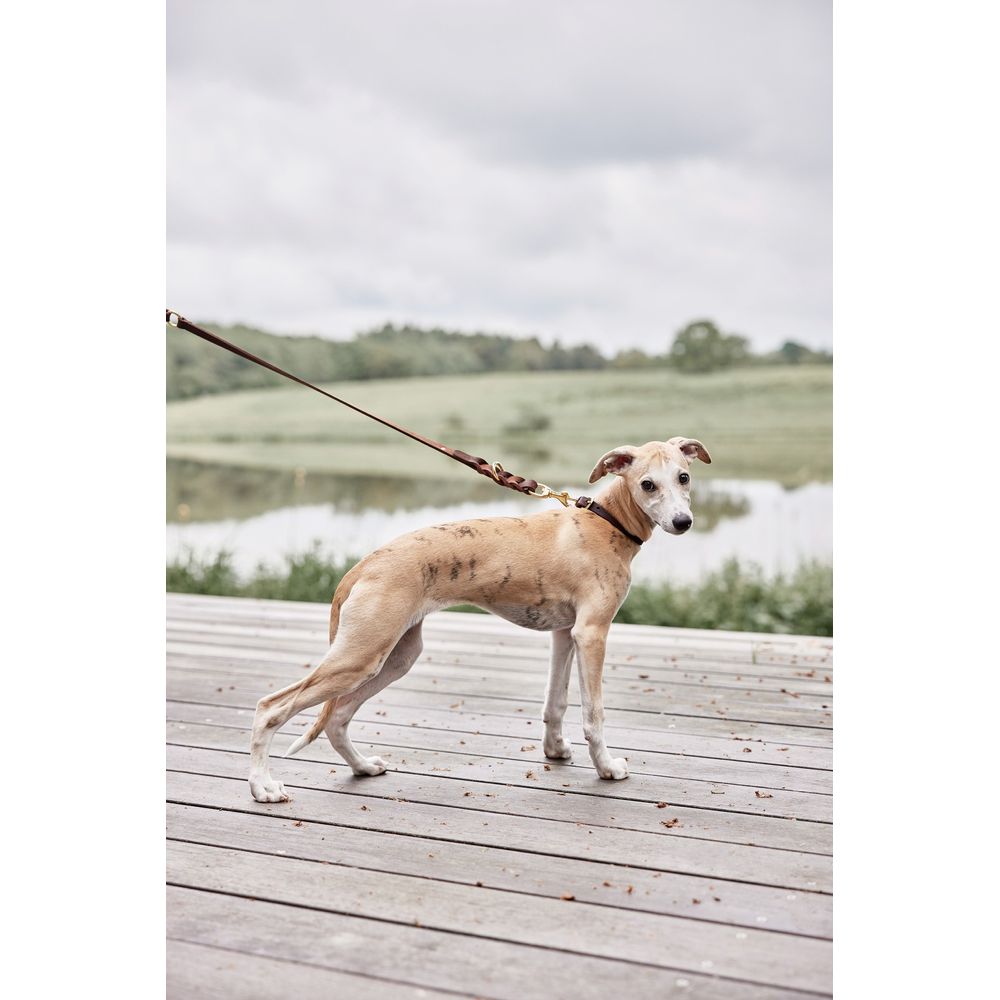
692 448
616 462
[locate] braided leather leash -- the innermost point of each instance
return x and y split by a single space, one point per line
494 470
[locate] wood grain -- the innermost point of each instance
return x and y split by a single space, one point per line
451 875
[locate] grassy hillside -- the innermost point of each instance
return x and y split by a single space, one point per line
195 367
762 422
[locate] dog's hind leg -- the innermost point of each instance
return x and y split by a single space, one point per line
399 661
364 642
556 745
273 711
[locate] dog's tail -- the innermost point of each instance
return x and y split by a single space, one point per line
341 595
313 731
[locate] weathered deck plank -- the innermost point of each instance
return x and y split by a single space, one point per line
619 886
747 704
445 649
421 956
792 870
596 810
200 972
198 681
570 926
534 772
447 874
496 738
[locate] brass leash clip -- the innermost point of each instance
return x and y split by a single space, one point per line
544 492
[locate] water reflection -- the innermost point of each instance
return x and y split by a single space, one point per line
260 515
198 491
201 492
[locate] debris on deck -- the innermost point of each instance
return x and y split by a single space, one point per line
477 867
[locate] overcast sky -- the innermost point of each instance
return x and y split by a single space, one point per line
592 171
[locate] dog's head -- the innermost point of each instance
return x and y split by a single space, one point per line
656 475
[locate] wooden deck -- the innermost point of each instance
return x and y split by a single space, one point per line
477 868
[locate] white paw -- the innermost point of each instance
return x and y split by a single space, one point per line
617 771
267 790
370 766
558 748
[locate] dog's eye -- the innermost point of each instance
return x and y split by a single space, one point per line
648 485
684 478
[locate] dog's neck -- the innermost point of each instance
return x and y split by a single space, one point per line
617 500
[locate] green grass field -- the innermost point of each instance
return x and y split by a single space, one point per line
758 423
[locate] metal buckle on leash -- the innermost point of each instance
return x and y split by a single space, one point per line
546 492
542 491
173 319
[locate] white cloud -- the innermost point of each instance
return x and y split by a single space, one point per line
588 171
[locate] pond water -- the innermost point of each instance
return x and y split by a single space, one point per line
260 515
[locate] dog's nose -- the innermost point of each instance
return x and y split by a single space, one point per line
682 522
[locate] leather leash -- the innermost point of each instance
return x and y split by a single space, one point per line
529 487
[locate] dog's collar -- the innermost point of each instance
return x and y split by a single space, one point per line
595 508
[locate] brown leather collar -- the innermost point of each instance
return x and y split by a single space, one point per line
595 508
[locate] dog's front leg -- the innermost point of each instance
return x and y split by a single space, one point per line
590 641
556 745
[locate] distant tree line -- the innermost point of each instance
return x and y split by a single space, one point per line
702 347
195 367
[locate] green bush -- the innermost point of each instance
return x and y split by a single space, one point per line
204 576
742 599
738 598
